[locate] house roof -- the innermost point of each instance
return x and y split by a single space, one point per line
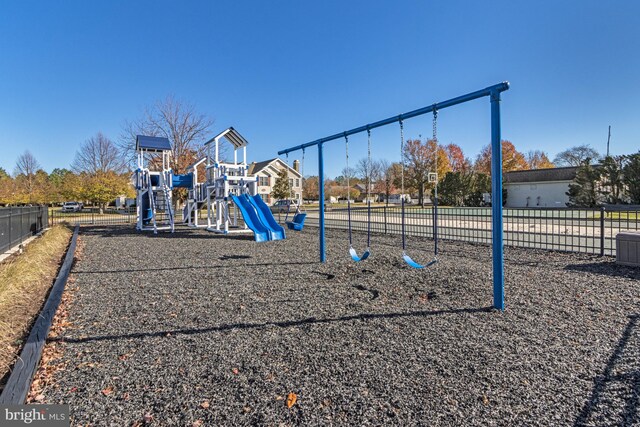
256 167
152 143
541 175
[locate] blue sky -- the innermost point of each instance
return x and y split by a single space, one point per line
286 72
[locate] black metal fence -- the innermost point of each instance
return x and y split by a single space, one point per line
564 229
92 216
17 224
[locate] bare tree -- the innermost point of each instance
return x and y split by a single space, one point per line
26 168
27 164
176 120
99 154
387 177
575 156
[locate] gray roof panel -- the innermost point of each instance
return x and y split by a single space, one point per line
152 143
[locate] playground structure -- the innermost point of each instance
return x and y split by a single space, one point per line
228 191
153 188
493 92
230 182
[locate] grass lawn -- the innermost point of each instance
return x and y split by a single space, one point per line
24 283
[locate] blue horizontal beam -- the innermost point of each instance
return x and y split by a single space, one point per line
495 89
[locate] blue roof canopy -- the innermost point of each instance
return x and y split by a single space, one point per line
152 143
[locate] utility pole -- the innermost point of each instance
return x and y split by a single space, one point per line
608 140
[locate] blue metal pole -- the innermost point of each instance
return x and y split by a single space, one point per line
500 87
323 254
496 203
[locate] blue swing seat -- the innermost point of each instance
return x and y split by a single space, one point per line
414 264
356 258
297 223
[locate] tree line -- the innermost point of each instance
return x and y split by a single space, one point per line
461 180
101 169
615 180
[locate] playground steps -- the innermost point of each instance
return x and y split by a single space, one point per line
162 205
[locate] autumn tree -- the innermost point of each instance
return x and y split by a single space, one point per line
576 156
583 191
457 160
102 188
310 188
538 159
419 161
512 159
7 188
631 177
99 154
186 129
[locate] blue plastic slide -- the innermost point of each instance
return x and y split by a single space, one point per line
251 218
266 216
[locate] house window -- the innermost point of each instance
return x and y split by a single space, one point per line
290 182
263 181
265 198
297 182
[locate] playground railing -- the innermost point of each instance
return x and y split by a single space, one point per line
589 230
19 223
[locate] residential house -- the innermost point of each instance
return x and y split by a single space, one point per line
268 171
362 189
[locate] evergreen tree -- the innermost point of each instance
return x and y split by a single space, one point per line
631 178
281 189
583 191
612 181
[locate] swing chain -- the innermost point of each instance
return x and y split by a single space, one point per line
346 144
368 164
402 158
435 120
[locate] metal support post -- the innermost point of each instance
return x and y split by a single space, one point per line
323 254
496 203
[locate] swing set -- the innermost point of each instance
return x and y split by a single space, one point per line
493 92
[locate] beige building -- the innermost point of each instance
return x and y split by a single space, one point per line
268 171
539 188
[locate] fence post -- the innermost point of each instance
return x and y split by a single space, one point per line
385 219
603 211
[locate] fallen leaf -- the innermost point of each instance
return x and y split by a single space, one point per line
147 417
73 389
235 371
485 399
291 399
39 398
107 391
205 404
197 423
